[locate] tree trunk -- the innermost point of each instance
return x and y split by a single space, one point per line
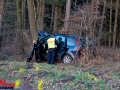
110 25
42 18
1 20
101 25
119 40
115 24
60 18
87 34
38 13
33 28
67 14
19 29
55 28
51 23
94 28
23 14
40 10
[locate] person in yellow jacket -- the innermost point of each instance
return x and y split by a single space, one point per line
52 45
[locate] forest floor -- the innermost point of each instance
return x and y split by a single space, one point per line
61 76
100 74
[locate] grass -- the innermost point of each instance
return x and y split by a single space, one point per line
57 77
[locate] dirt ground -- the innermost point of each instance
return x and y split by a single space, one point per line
105 67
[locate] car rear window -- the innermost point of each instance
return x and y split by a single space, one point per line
70 42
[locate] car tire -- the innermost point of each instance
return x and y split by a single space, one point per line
67 59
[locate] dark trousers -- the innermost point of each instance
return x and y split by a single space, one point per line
51 56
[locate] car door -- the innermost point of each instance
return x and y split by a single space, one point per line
44 46
61 46
71 46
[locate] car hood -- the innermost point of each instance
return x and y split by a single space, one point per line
42 33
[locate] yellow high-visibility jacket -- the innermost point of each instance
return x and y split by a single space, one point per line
51 43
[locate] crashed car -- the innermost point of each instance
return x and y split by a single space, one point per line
68 48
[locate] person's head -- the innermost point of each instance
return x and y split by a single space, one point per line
60 39
52 36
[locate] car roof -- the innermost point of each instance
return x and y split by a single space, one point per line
60 34
65 35
42 33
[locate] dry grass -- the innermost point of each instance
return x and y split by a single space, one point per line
108 60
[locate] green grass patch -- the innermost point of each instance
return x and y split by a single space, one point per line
55 77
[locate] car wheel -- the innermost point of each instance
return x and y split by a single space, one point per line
67 59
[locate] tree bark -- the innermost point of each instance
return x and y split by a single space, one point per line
101 25
115 24
1 20
51 23
87 34
55 28
32 21
67 14
119 40
23 14
110 25
42 18
60 18
19 29
41 6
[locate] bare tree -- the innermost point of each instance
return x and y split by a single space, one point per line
110 24
101 24
19 29
115 24
83 21
52 16
56 11
40 11
23 14
32 21
67 14
1 19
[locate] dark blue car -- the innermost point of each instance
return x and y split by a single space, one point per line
68 49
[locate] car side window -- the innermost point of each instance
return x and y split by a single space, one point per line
60 40
70 42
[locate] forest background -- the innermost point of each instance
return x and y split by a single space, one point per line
21 19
